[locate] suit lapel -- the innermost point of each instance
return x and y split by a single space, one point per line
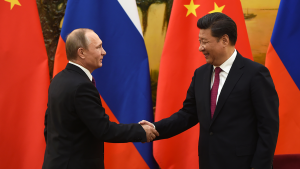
207 81
205 93
234 75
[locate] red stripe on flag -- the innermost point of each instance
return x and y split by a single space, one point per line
289 109
113 151
60 61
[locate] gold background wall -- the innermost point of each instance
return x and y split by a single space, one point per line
259 28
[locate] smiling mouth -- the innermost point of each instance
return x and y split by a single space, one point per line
205 55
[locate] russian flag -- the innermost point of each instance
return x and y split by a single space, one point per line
283 61
124 80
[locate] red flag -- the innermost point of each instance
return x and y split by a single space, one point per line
179 60
24 83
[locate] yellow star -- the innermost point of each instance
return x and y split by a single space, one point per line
191 8
13 3
217 9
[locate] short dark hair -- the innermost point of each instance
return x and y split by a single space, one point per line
76 39
220 24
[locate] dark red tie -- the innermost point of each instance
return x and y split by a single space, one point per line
94 82
214 91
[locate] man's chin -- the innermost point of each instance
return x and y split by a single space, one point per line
208 61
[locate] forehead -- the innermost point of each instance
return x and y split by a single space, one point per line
93 38
205 34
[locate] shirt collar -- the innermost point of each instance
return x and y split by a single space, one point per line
228 63
87 72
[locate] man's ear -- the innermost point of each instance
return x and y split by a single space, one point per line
225 40
80 52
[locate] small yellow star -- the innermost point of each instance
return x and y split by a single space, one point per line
13 3
191 8
217 9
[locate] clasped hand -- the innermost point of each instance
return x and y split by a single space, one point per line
151 133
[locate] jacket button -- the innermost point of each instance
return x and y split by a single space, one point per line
211 133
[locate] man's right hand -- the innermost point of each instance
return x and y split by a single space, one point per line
151 133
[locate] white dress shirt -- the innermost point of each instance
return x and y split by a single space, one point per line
226 66
87 72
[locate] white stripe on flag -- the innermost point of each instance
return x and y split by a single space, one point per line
130 8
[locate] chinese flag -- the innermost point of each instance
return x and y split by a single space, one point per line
283 62
24 83
180 58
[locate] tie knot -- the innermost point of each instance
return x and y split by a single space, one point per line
94 82
218 70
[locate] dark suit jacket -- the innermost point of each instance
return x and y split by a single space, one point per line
76 124
243 132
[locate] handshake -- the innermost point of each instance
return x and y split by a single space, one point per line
149 128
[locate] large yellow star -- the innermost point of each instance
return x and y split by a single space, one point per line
13 3
217 9
191 8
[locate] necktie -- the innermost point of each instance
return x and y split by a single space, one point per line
94 82
214 91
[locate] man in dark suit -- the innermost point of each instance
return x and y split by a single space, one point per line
75 122
233 99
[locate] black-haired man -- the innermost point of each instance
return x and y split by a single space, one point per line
234 100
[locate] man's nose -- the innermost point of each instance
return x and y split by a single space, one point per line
103 52
201 48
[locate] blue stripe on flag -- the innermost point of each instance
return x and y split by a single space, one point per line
123 81
286 35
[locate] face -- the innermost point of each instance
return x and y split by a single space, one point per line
211 47
94 54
